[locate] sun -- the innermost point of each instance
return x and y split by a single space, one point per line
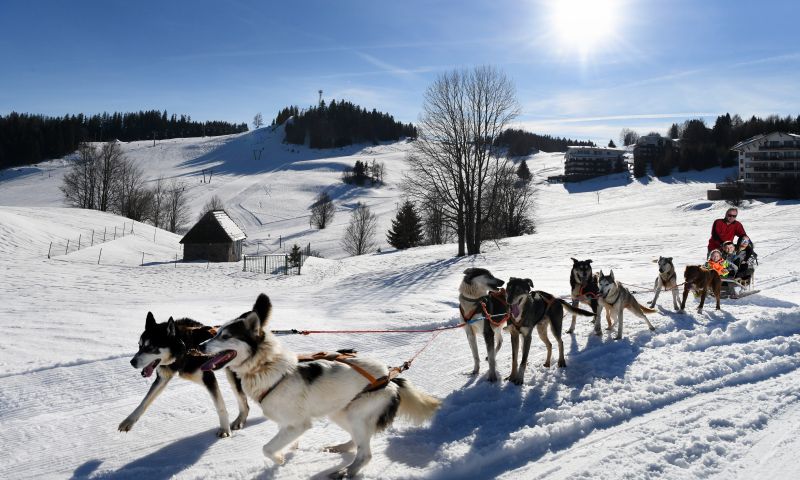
583 26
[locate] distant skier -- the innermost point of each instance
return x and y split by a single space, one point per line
725 229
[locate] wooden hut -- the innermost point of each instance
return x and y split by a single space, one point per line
215 238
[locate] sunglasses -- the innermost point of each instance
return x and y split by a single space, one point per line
731 216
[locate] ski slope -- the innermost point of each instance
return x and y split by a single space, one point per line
711 395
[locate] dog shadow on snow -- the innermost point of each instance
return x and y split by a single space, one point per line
165 462
486 415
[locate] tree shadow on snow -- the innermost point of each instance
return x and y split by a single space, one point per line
597 184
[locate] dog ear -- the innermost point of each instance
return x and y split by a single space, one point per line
150 323
262 308
530 282
171 330
601 274
468 271
669 259
611 274
574 260
589 261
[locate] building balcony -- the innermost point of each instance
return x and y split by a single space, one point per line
778 147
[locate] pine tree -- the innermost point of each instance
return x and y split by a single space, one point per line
523 172
406 231
295 258
611 144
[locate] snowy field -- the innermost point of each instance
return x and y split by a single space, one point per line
712 395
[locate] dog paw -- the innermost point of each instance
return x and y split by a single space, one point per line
652 329
562 364
126 425
341 448
570 331
546 365
492 377
517 381
618 337
238 424
223 433
339 474
275 457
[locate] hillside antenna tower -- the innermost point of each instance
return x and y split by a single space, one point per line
320 98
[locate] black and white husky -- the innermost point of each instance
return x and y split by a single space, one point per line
583 288
535 310
666 279
170 349
475 288
292 394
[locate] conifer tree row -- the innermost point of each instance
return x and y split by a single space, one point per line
339 124
28 138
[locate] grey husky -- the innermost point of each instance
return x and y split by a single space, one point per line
477 286
616 298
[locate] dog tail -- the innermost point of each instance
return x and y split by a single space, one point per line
646 309
415 404
576 310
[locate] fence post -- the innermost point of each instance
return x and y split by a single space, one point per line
286 264
99 255
115 233
104 234
155 230
92 245
48 250
131 227
79 242
176 260
66 249
265 264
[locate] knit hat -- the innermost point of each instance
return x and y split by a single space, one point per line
711 253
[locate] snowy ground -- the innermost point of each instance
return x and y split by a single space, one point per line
712 395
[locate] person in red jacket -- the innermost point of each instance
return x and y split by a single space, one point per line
725 229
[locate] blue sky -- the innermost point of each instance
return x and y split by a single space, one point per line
581 69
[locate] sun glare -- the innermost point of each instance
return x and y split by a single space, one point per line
583 26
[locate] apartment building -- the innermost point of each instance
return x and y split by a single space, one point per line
768 162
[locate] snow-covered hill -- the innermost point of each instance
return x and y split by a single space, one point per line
706 395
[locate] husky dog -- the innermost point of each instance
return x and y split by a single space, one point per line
170 348
292 394
700 279
583 288
616 298
531 310
667 279
475 288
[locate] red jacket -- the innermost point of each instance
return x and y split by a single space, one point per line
722 232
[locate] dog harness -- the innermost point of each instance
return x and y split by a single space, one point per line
547 302
344 356
499 295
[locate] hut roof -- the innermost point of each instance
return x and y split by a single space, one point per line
215 227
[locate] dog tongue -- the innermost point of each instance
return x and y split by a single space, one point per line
515 310
148 370
218 360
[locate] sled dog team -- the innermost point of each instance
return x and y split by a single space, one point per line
357 393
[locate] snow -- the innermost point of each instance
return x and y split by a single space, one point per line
711 395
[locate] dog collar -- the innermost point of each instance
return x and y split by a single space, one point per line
467 299
615 298
270 389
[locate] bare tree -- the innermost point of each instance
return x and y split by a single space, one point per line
159 203
258 120
511 215
109 164
453 157
131 198
359 238
80 182
177 212
322 211
628 136
214 203
434 222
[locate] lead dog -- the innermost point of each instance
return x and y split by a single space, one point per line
531 310
583 288
167 348
475 288
666 279
616 298
700 280
293 394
